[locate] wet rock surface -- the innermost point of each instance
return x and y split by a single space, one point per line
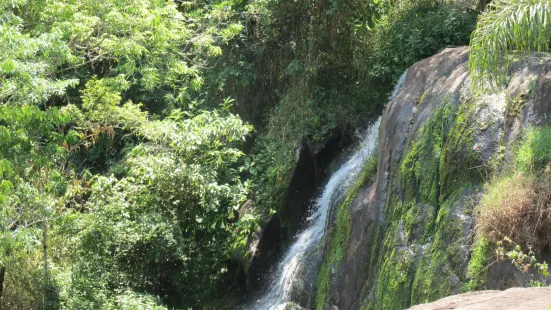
265 252
304 286
301 186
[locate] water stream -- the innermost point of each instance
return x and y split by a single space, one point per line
278 291
307 241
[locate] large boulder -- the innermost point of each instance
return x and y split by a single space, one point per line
511 299
411 229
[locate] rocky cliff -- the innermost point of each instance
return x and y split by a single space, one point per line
406 238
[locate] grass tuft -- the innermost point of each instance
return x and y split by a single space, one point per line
517 205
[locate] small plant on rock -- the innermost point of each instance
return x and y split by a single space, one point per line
507 249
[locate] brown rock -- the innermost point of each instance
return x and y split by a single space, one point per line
514 298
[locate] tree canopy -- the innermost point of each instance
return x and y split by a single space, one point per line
118 188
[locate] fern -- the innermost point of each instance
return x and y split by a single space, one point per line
507 27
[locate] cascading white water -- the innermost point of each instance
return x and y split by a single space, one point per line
278 292
399 85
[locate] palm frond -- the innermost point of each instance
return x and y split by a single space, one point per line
507 27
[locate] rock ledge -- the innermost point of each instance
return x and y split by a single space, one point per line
514 298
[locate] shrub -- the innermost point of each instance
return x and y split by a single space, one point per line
518 204
517 207
411 31
507 249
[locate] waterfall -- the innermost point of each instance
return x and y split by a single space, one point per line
281 283
399 85
280 286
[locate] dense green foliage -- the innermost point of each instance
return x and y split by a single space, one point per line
408 34
118 189
506 28
338 61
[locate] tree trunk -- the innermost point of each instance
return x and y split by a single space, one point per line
2 275
45 247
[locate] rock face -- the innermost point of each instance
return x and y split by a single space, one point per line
511 299
301 187
411 230
265 251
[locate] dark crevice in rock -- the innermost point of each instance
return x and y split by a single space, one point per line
266 252
311 170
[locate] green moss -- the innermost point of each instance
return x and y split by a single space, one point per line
395 271
460 163
423 97
402 281
342 231
442 158
478 266
323 284
514 106
410 220
513 109
339 233
421 166
534 151
419 256
439 263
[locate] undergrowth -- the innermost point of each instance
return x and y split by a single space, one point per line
517 204
515 207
